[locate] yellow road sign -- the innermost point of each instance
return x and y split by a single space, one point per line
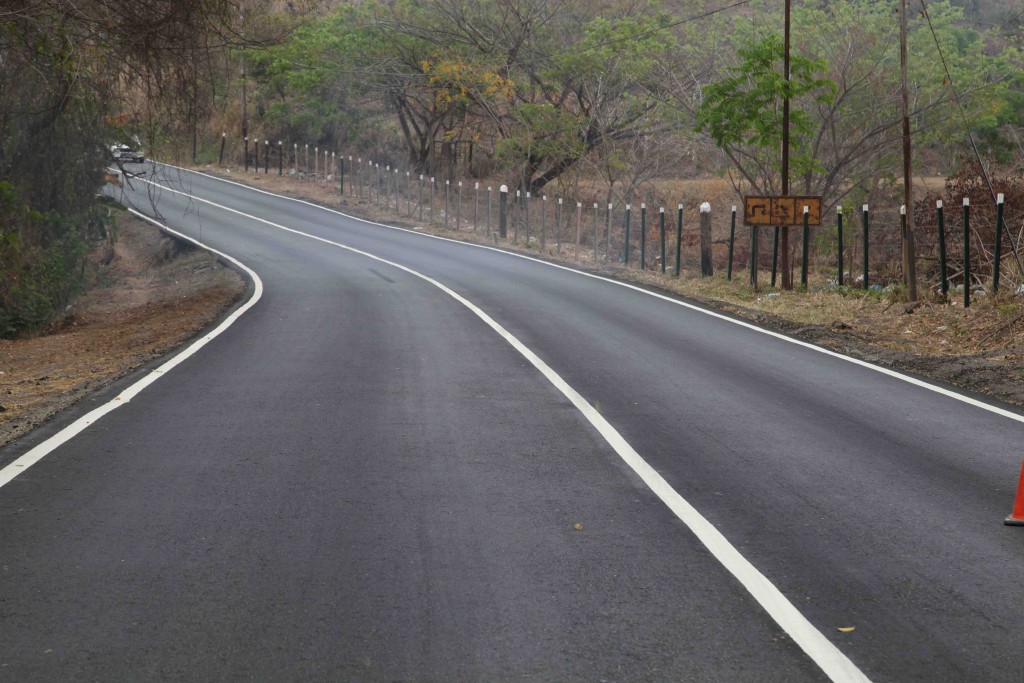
781 210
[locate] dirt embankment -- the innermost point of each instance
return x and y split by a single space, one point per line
149 294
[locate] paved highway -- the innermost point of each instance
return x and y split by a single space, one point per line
414 459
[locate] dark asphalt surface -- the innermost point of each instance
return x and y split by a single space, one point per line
359 480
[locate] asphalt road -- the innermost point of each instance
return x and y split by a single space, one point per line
361 480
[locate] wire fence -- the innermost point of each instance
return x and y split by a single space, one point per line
856 247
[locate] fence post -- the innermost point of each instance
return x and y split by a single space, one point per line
376 183
579 228
608 241
595 232
476 206
643 236
753 256
679 241
941 224
839 236
245 153
865 219
408 193
447 203
503 211
458 207
967 252
516 216
558 227
707 268
419 198
266 157
775 255
527 200
999 243
316 163
661 212
490 193
398 192
625 251
223 141
352 179
432 185
732 241
543 221
806 250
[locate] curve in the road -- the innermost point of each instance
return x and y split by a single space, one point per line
836 665
742 323
19 466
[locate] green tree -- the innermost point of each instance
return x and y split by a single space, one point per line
743 112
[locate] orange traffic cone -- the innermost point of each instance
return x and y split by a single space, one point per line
1016 517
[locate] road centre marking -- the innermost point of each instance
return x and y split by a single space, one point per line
742 323
836 665
40 451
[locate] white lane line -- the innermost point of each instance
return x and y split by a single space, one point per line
40 451
750 326
832 661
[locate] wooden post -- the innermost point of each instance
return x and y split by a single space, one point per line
999 243
579 228
967 252
732 242
643 235
806 250
753 257
625 256
558 227
941 229
707 268
865 212
515 217
543 221
839 238
679 241
608 240
661 216
527 216
503 211
458 207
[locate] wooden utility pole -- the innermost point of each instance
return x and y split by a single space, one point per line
909 252
787 278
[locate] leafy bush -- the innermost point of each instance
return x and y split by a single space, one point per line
42 258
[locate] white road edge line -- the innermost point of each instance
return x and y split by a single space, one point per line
827 656
40 451
856 361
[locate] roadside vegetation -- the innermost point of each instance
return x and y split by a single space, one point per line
606 102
